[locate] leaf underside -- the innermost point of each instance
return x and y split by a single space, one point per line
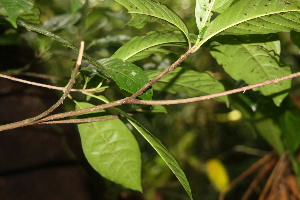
203 12
144 10
189 82
143 46
253 63
256 17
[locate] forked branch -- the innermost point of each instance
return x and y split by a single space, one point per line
67 90
43 118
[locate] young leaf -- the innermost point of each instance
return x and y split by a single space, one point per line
140 47
203 12
17 8
188 82
256 17
112 150
143 10
164 153
253 63
128 76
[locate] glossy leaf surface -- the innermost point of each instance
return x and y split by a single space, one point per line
127 75
112 150
164 153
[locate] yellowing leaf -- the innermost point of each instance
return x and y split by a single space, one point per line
217 174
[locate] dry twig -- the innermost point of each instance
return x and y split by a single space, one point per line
67 90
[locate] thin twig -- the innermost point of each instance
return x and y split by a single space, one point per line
267 167
129 100
275 176
83 111
292 184
166 71
246 173
211 96
34 75
280 172
79 121
67 90
133 100
44 85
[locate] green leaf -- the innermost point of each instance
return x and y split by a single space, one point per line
203 12
64 42
256 17
253 63
112 150
42 31
143 10
188 82
164 153
290 130
20 8
128 76
221 6
141 47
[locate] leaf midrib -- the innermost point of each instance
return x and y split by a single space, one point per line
147 47
257 61
242 21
